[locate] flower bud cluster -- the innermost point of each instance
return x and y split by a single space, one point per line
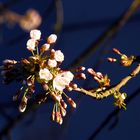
101 79
125 60
59 109
42 67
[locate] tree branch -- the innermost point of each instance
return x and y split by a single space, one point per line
112 90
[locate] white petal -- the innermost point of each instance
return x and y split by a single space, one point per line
31 43
52 63
35 34
45 74
58 56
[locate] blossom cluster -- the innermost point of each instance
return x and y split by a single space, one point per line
42 67
101 79
124 60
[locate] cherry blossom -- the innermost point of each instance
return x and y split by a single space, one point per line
35 34
44 74
45 47
62 80
31 44
52 63
58 56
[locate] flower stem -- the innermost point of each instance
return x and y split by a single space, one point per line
33 53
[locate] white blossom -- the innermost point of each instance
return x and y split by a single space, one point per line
31 44
52 63
35 34
68 75
52 39
58 56
44 74
62 80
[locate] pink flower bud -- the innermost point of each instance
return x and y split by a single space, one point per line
53 116
56 97
52 39
69 88
58 118
71 102
60 121
64 105
63 111
74 86
91 71
116 51
80 69
111 59
25 61
45 86
45 47
96 78
99 75
81 76
9 62
23 104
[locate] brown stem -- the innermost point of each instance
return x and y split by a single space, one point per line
129 77
103 94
